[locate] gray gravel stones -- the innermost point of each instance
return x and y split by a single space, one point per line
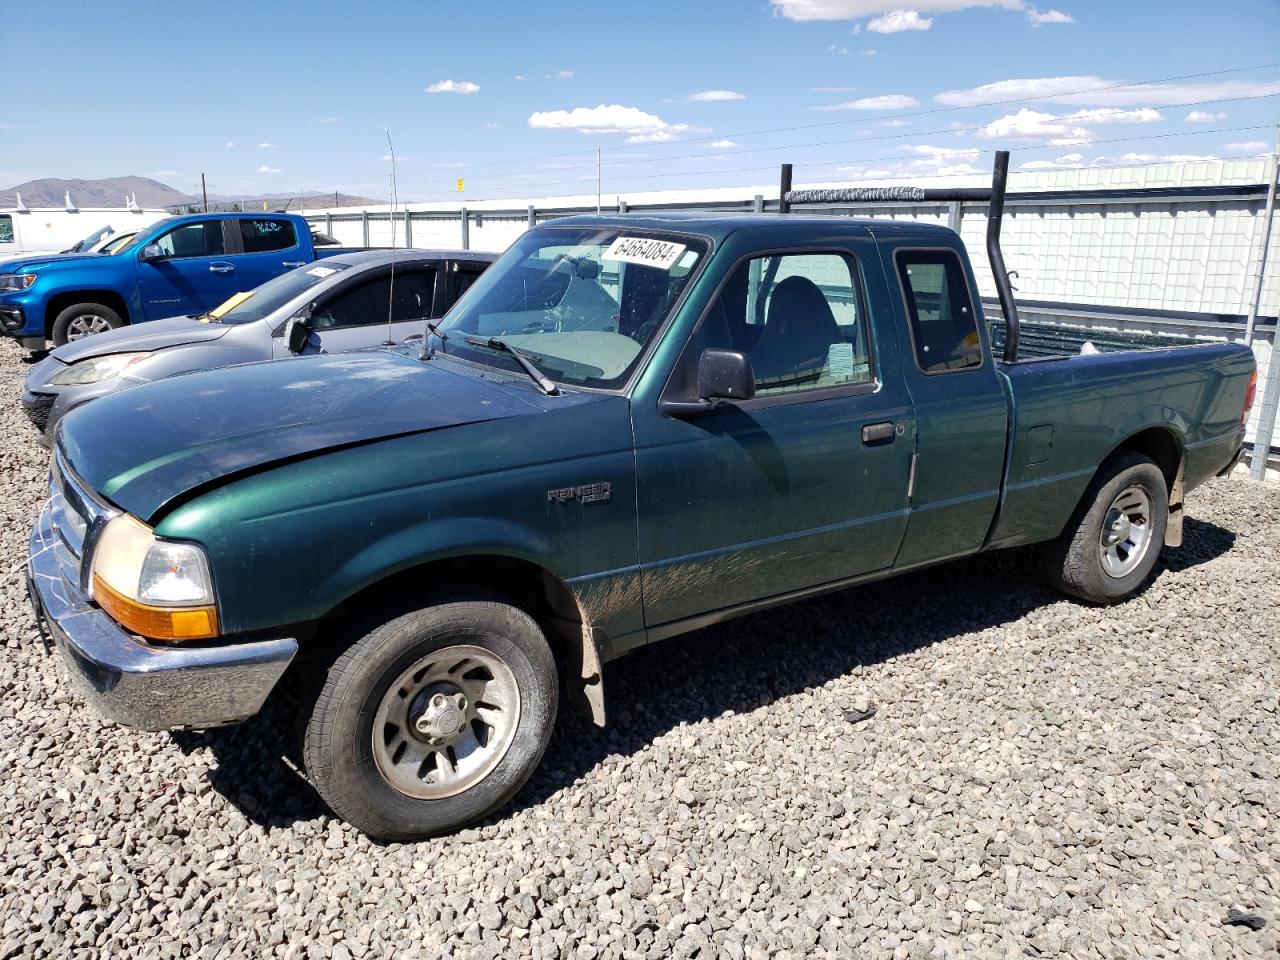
1041 779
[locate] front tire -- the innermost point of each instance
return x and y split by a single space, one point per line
1112 542
84 320
433 720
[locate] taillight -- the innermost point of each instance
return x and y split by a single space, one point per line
1249 394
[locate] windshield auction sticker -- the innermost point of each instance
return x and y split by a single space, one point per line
644 251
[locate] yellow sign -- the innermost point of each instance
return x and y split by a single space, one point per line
462 184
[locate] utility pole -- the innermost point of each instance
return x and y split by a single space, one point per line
204 193
597 179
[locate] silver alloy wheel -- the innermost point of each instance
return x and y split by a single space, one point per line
1126 532
446 722
86 325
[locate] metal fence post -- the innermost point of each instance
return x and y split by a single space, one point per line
408 228
533 217
364 223
466 229
757 203
328 224
622 206
1266 242
954 213
1267 414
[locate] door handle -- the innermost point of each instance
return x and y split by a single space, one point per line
878 433
290 264
219 267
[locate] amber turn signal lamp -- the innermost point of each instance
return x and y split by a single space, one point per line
156 623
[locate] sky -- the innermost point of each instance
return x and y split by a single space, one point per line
516 97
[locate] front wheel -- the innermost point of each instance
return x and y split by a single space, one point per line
1112 542
84 320
433 720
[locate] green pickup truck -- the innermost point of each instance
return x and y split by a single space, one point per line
630 427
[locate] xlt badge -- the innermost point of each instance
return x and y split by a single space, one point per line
586 493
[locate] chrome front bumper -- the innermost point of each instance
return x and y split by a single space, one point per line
135 683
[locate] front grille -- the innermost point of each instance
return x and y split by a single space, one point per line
38 409
67 510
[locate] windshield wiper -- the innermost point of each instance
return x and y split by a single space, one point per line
545 385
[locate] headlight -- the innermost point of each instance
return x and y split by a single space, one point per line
92 371
159 589
9 282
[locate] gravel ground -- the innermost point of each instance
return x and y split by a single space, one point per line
1041 779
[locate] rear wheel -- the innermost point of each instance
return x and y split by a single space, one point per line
1112 542
84 320
432 720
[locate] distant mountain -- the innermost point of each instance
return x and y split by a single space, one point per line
110 192
113 191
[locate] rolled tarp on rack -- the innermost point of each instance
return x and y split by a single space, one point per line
993 196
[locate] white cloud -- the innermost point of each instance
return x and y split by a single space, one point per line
519 76
723 144
931 161
1203 116
1252 146
491 124
891 101
857 9
836 51
266 146
1062 129
715 96
266 169
453 86
640 127
896 21
560 75
895 123
1097 91
869 52
231 144
1039 19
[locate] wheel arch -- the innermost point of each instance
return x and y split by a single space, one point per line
527 585
1164 447
60 301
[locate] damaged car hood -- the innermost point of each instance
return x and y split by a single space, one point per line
143 338
141 448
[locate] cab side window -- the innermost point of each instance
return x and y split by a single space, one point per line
944 325
366 303
263 236
200 239
800 318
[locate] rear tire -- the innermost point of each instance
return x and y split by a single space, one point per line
432 720
1112 541
84 320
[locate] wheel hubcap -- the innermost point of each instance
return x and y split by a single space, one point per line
1126 532
446 722
86 326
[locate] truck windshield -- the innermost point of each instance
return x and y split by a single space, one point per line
581 303
274 294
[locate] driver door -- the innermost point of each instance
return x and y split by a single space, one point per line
194 275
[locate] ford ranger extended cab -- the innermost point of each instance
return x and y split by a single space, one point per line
630 427
176 267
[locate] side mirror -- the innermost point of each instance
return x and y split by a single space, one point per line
152 251
296 333
587 269
725 375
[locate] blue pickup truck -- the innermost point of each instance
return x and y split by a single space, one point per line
178 266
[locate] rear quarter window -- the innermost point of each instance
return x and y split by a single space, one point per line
940 311
6 228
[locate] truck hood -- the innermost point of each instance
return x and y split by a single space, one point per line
145 337
30 262
142 448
